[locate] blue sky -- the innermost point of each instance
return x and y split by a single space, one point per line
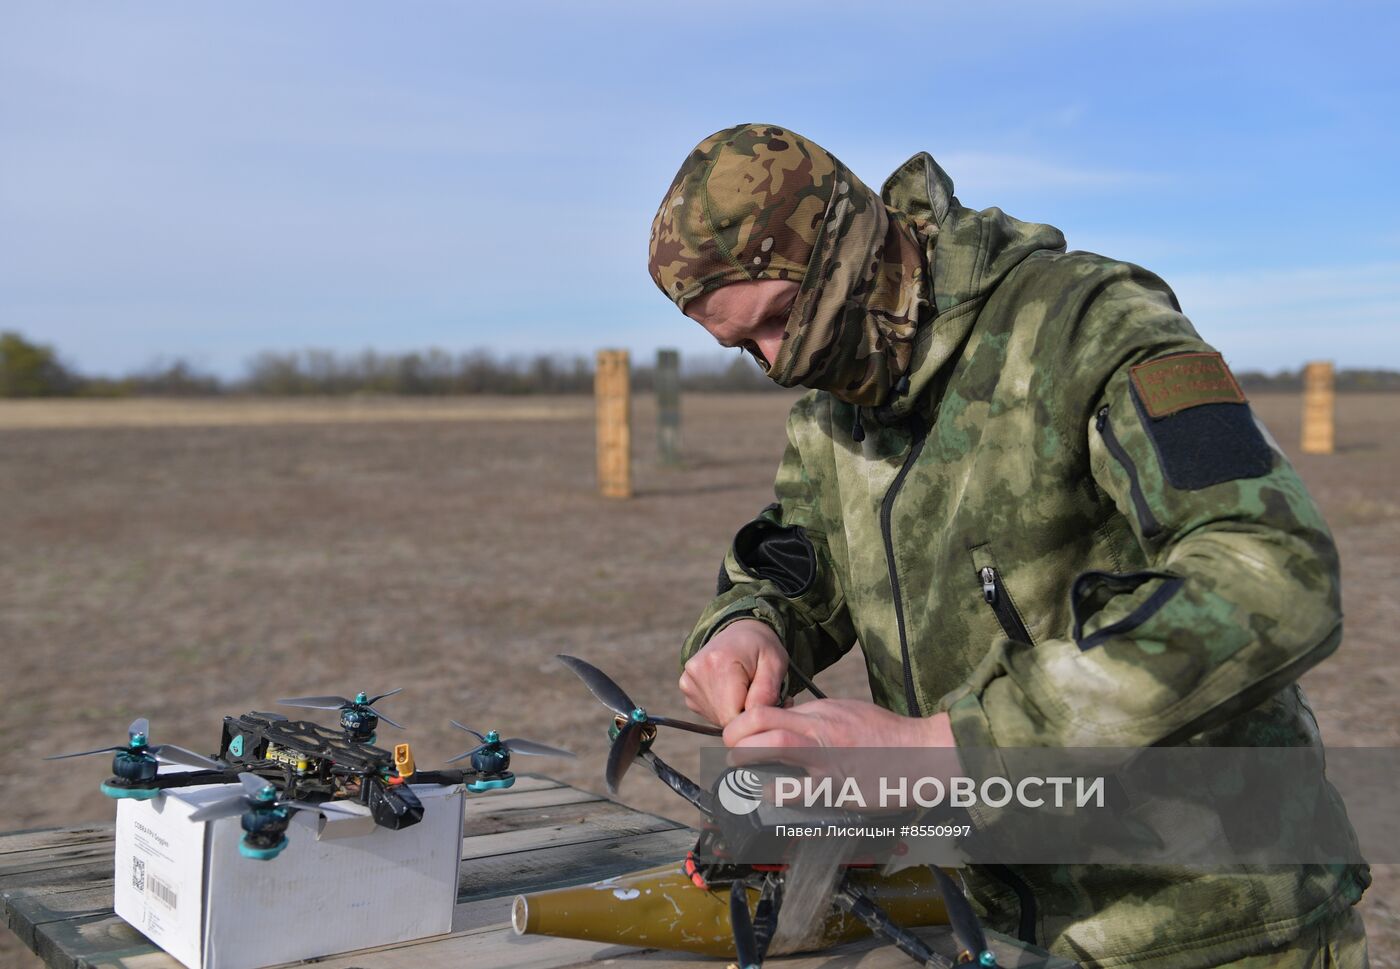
210 180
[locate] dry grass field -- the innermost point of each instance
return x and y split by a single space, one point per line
186 560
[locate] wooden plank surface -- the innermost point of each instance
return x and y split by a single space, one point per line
56 891
52 838
56 884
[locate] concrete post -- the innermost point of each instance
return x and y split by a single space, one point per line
668 405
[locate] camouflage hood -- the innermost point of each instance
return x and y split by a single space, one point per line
968 254
761 202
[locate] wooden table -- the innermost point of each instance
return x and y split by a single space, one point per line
56 892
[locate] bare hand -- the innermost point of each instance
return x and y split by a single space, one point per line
742 668
834 739
835 723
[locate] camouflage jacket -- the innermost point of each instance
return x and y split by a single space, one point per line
1069 530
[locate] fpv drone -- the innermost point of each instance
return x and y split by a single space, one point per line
283 766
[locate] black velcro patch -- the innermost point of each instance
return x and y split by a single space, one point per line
1207 444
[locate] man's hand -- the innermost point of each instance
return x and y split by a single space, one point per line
742 668
835 723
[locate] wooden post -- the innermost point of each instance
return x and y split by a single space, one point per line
613 396
668 405
1319 408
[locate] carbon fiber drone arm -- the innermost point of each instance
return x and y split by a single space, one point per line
195 778
679 783
447 777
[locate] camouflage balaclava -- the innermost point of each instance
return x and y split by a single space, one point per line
761 202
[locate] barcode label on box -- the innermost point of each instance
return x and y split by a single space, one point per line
162 891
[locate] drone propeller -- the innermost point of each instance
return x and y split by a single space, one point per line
630 732
137 736
362 701
603 687
513 745
966 928
745 942
257 794
624 751
186 758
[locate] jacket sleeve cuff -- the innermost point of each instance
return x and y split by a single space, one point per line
747 607
969 723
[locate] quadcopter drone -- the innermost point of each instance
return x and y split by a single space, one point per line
712 868
283 766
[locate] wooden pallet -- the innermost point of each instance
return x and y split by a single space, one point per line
56 892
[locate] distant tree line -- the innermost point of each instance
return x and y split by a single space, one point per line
1347 381
28 369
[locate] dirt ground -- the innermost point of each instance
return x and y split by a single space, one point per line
182 563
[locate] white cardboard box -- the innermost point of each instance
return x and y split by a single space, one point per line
339 885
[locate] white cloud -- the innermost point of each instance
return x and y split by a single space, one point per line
997 172
1282 317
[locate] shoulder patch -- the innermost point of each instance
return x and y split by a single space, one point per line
1170 384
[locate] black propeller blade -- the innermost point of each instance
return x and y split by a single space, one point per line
257 794
481 737
966 926
623 752
703 728
136 733
613 697
138 737
85 753
362 701
186 758
745 943
317 702
519 745
513 745
600 684
632 719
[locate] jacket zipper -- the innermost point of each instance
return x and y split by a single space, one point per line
886 508
994 594
1150 525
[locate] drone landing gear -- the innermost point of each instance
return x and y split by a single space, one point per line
483 784
129 793
260 852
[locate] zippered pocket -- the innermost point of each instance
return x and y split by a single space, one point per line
995 595
1150 525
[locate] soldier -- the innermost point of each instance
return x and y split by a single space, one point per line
1039 501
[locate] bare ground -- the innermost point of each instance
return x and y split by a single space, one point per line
182 563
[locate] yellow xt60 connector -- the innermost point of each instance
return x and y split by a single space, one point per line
403 760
